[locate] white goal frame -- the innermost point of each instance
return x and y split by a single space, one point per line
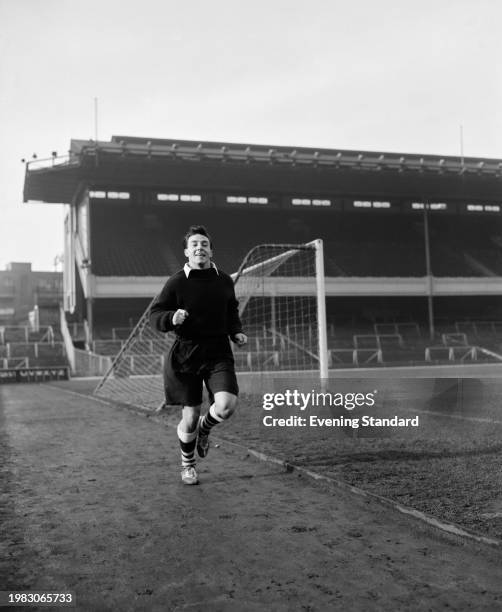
320 290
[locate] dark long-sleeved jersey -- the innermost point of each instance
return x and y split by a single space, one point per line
209 298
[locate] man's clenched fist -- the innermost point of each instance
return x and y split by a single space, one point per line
179 316
240 339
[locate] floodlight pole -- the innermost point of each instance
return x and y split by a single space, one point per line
321 309
96 121
428 271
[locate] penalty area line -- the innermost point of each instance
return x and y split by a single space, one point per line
458 417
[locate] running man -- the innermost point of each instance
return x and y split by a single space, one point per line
199 304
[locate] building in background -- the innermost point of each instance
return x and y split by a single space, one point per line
27 295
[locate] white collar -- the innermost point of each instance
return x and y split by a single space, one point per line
187 269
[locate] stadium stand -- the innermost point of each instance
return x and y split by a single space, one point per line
147 241
380 344
106 347
133 198
22 347
139 246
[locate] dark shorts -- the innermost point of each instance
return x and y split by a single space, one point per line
190 364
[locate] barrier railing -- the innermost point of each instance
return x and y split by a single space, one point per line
91 364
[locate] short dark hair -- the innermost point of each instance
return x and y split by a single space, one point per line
196 229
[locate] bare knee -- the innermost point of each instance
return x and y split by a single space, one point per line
190 418
225 404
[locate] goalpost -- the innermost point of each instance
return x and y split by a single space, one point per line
281 293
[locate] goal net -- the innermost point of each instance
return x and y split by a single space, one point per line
280 288
135 376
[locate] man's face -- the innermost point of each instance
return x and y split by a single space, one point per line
198 251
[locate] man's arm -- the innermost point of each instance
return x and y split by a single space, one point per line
164 308
234 321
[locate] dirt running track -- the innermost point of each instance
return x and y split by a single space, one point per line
92 503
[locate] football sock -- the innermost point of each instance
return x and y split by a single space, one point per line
208 421
187 445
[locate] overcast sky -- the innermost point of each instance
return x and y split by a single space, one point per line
392 75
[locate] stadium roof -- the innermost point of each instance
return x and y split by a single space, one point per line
153 161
